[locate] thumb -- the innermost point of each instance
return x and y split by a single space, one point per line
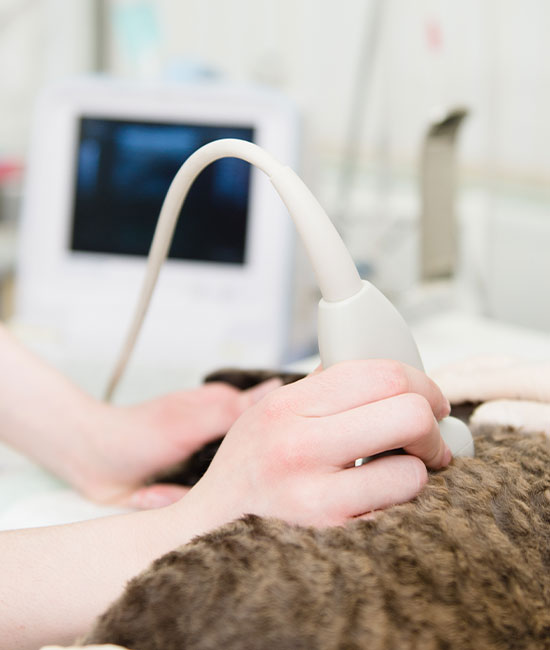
154 496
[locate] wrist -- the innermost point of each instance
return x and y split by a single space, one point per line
80 457
165 529
207 506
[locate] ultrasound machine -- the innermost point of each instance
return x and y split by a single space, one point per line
103 154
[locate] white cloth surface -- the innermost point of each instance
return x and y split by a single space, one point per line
30 496
523 415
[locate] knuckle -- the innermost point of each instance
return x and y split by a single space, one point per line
395 376
420 414
276 406
286 439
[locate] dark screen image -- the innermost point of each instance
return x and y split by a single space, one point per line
124 170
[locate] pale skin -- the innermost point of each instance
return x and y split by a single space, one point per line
289 453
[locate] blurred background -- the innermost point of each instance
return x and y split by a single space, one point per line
491 56
424 126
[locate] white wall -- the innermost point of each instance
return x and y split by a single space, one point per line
494 58
491 56
40 41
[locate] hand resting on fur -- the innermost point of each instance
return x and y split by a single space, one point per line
465 565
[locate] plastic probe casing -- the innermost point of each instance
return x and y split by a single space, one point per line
367 326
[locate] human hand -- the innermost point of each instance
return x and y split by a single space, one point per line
128 445
292 455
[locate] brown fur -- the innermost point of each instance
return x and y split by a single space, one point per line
465 565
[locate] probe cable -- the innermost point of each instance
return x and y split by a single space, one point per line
336 273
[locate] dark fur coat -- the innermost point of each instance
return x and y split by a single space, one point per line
465 565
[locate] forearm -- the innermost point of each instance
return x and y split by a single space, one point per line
42 414
56 580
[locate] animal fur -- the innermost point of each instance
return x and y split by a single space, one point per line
465 565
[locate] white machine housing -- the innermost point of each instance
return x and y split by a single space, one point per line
226 313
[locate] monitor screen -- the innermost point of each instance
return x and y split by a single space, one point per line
123 171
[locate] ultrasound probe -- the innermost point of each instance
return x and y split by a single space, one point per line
356 321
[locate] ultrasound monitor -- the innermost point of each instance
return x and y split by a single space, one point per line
103 154
123 171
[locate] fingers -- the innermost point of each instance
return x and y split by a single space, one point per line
153 496
220 405
404 421
256 393
379 484
349 385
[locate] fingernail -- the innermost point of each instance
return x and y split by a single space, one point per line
261 390
447 456
446 408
